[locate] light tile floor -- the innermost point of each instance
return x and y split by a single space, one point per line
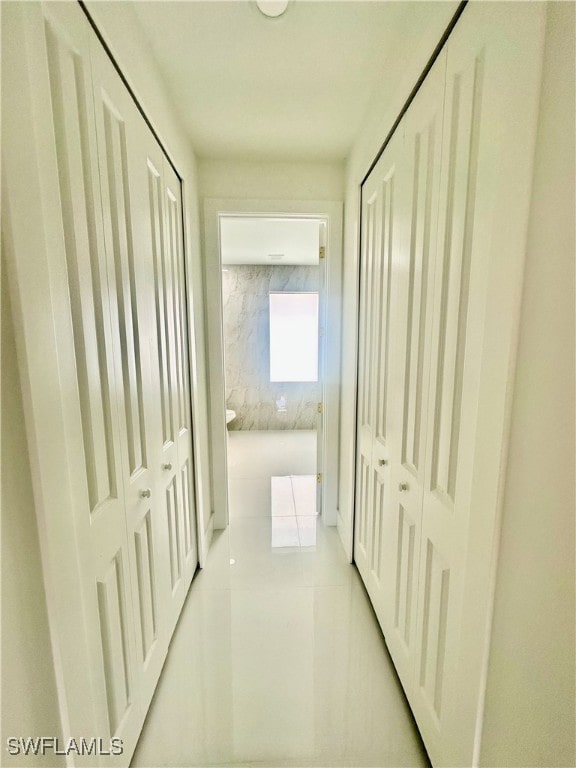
293 510
277 659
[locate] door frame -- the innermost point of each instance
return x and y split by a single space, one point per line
331 212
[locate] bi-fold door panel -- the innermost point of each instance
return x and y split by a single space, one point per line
127 388
370 217
143 223
157 202
491 91
163 351
173 446
467 140
168 366
130 280
378 424
179 355
414 269
442 553
402 195
364 482
104 547
365 415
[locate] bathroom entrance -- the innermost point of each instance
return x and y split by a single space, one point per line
272 321
273 277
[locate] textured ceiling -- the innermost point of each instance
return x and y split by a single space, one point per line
293 87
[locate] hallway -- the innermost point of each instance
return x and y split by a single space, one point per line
167 603
277 658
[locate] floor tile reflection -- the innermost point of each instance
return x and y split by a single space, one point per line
293 508
285 532
277 659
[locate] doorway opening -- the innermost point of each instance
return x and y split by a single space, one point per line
325 219
272 320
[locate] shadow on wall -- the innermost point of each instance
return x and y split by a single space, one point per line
259 403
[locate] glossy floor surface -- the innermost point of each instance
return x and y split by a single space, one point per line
277 659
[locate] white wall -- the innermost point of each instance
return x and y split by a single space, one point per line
418 40
529 712
120 28
29 698
270 181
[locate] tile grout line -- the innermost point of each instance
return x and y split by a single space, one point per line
295 514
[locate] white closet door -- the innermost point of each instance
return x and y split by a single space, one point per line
178 353
443 550
377 425
84 228
413 264
436 345
162 340
143 212
492 81
371 215
400 214
128 226
172 333
103 545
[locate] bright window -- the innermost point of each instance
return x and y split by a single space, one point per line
294 336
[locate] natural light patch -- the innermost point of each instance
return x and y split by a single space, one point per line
294 336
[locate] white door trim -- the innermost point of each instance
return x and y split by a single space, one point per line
331 211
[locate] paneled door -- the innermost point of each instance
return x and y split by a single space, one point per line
95 229
449 457
413 262
400 204
378 425
172 334
492 81
103 539
443 228
130 280
142 212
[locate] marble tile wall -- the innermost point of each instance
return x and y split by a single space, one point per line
259 403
